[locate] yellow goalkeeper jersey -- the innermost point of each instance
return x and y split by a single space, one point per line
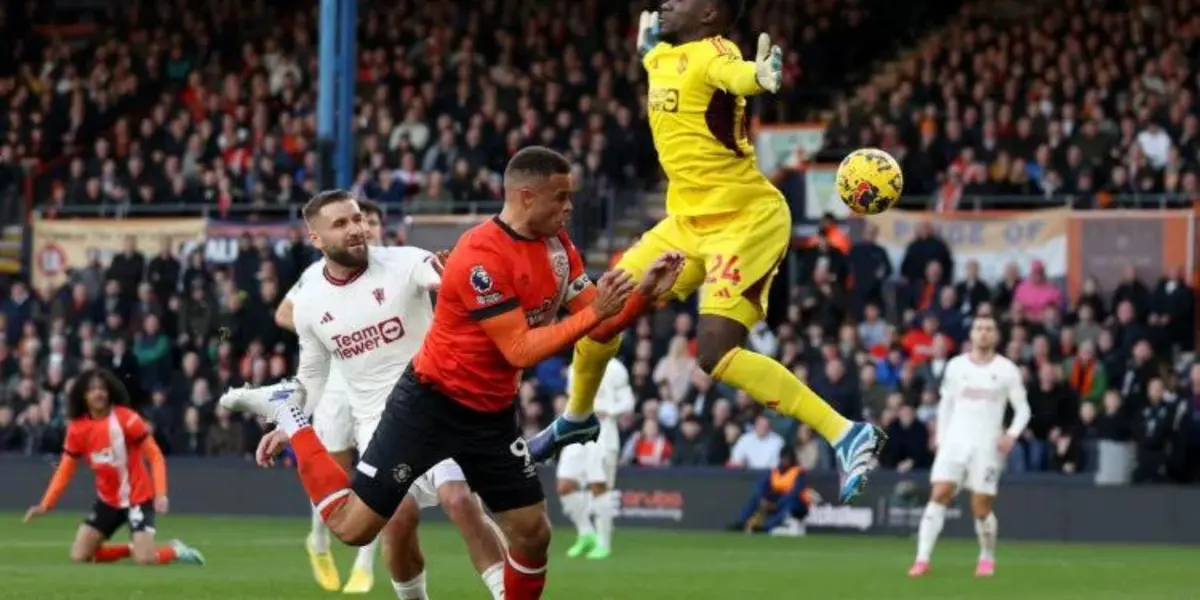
697 108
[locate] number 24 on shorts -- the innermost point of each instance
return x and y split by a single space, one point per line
723 268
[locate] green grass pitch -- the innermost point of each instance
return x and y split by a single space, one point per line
265 559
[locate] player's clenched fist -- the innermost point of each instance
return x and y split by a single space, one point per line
270 446
613 290
661 275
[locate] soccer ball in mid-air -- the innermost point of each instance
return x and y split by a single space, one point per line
869 181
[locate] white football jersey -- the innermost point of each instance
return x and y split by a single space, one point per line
973 398
370 326
613 398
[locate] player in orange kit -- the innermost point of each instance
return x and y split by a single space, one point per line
116 443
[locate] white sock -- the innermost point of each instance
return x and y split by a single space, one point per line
930 529
290 418
575 507
320 533
493 578
986 529
413 589
366 557
604 510
575 417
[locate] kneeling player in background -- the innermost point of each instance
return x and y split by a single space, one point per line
972 444
780 501
594 465
114 440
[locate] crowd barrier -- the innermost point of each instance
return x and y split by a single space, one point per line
1045 508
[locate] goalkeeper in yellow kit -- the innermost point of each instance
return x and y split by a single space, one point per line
731 225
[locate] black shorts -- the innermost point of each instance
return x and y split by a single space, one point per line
107 519
421 427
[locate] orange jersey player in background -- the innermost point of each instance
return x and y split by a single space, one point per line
116 443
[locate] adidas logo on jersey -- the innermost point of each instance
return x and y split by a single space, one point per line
326 318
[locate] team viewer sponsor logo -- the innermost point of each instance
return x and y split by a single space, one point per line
652 504
368 338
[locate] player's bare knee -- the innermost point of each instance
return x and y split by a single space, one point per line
715 337
79 555
531 538
458 502
567 486
598 489
981 506
941 494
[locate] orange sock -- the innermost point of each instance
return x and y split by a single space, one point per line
327 484
107 553
166 554
524 579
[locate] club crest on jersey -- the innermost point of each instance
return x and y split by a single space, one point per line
378 294
562 265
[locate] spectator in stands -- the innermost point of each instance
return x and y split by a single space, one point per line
1036 293
1086 375
1155 431
758 448
971 291
926 247
870 267
648 447
691 447
908 440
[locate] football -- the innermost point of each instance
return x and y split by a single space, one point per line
869 181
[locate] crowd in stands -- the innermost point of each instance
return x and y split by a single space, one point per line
1098 366
1092 99
212 104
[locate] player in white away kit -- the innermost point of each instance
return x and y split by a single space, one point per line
972 444
334 425
587 473
363 314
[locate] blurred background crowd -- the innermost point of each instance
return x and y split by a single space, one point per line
1091 101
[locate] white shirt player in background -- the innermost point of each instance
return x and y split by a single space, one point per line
587 473
972 443
363 326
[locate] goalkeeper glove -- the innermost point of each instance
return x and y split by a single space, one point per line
768 64
648 28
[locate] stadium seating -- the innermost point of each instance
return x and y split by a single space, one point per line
1091 100
221 122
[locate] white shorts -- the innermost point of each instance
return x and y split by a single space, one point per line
976 469
333 423
587 464
424 488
